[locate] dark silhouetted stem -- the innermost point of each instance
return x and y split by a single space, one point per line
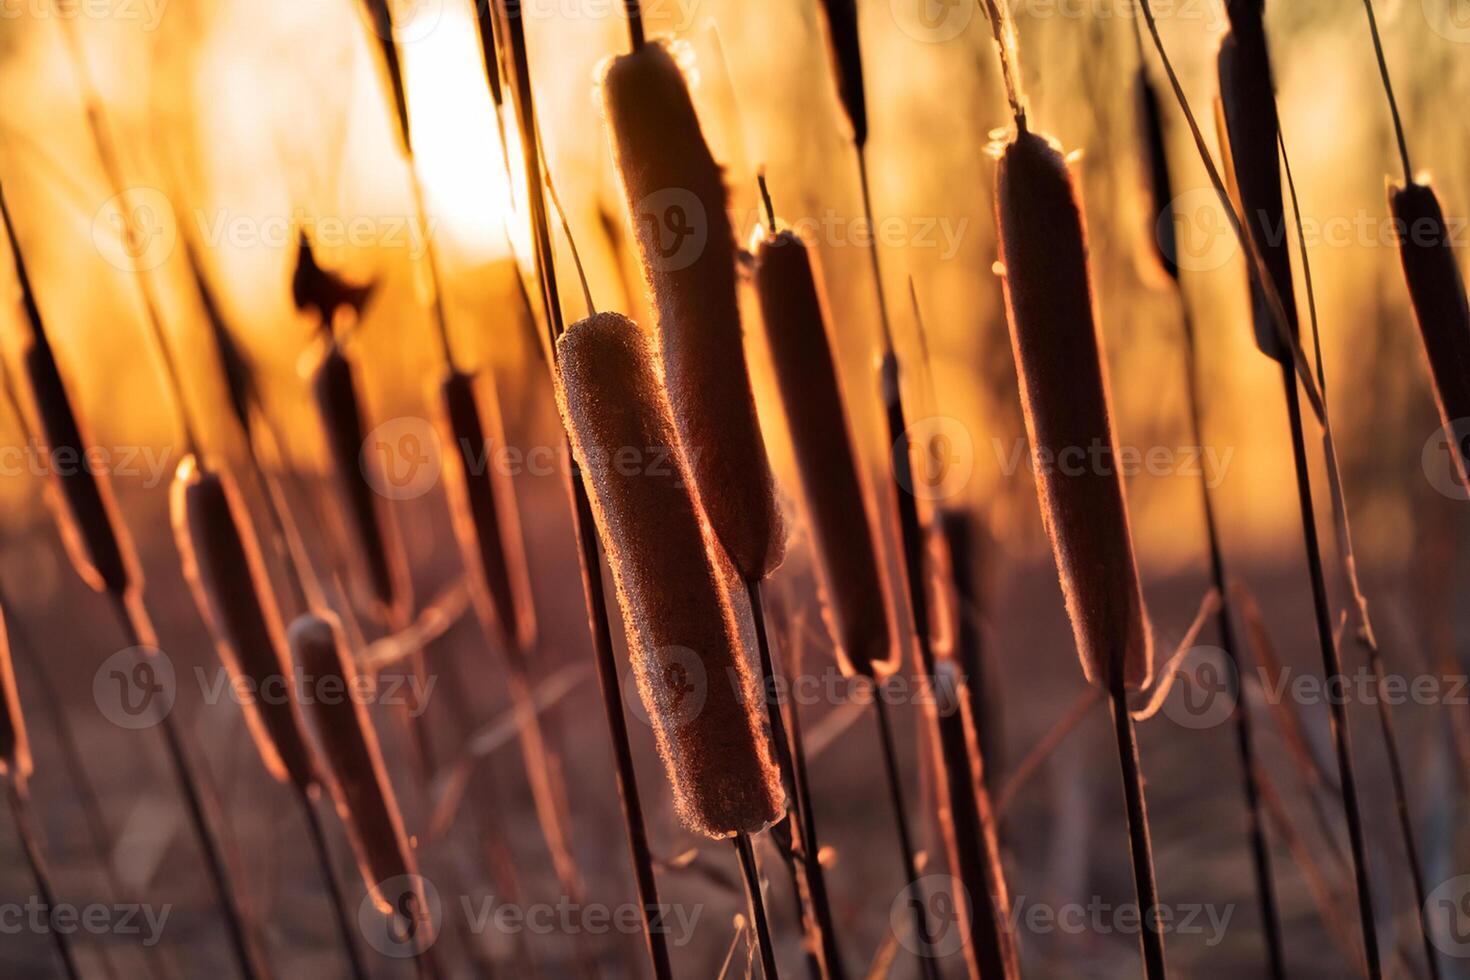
1150 936
1332 674
345 931
20 808
752 875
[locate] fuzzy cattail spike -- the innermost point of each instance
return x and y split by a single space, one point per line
845 52
685 642
668 174
226 573
794 316
356 774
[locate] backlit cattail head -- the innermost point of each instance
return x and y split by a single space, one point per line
483 507
227 576
385 580
1248 98
353 761
845 52
1161 231
86 512
1064 393
676 198
15 748
685 642
1437 290
795 318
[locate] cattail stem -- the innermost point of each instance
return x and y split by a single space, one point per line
874 264
583 521
757 905
1332 671
1244 739
138 632
1393 102
795 815
1151 938
905 836
635 24
346 931
20 809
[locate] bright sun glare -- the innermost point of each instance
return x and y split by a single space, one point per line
456 142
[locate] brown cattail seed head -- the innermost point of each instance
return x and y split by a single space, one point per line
15 748
795 317
1064 393
676 197
1248 96
357 777
483 507
1438 294
334 389
693 667
85 510
845 53
227 575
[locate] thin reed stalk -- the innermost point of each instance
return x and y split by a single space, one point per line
346 933
98 541
1151 124
972 850
517 68
1367 637
16 767
750 873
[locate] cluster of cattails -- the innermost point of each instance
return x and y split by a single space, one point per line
691 542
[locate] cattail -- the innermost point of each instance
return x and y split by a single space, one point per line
1161 231
795 318
673 186
85 511
335 391
15 748
1248 97
1438 294
1064 392
482 506
357 776
674 594
316 290
227 576
845 53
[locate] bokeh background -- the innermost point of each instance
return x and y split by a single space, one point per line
241 122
